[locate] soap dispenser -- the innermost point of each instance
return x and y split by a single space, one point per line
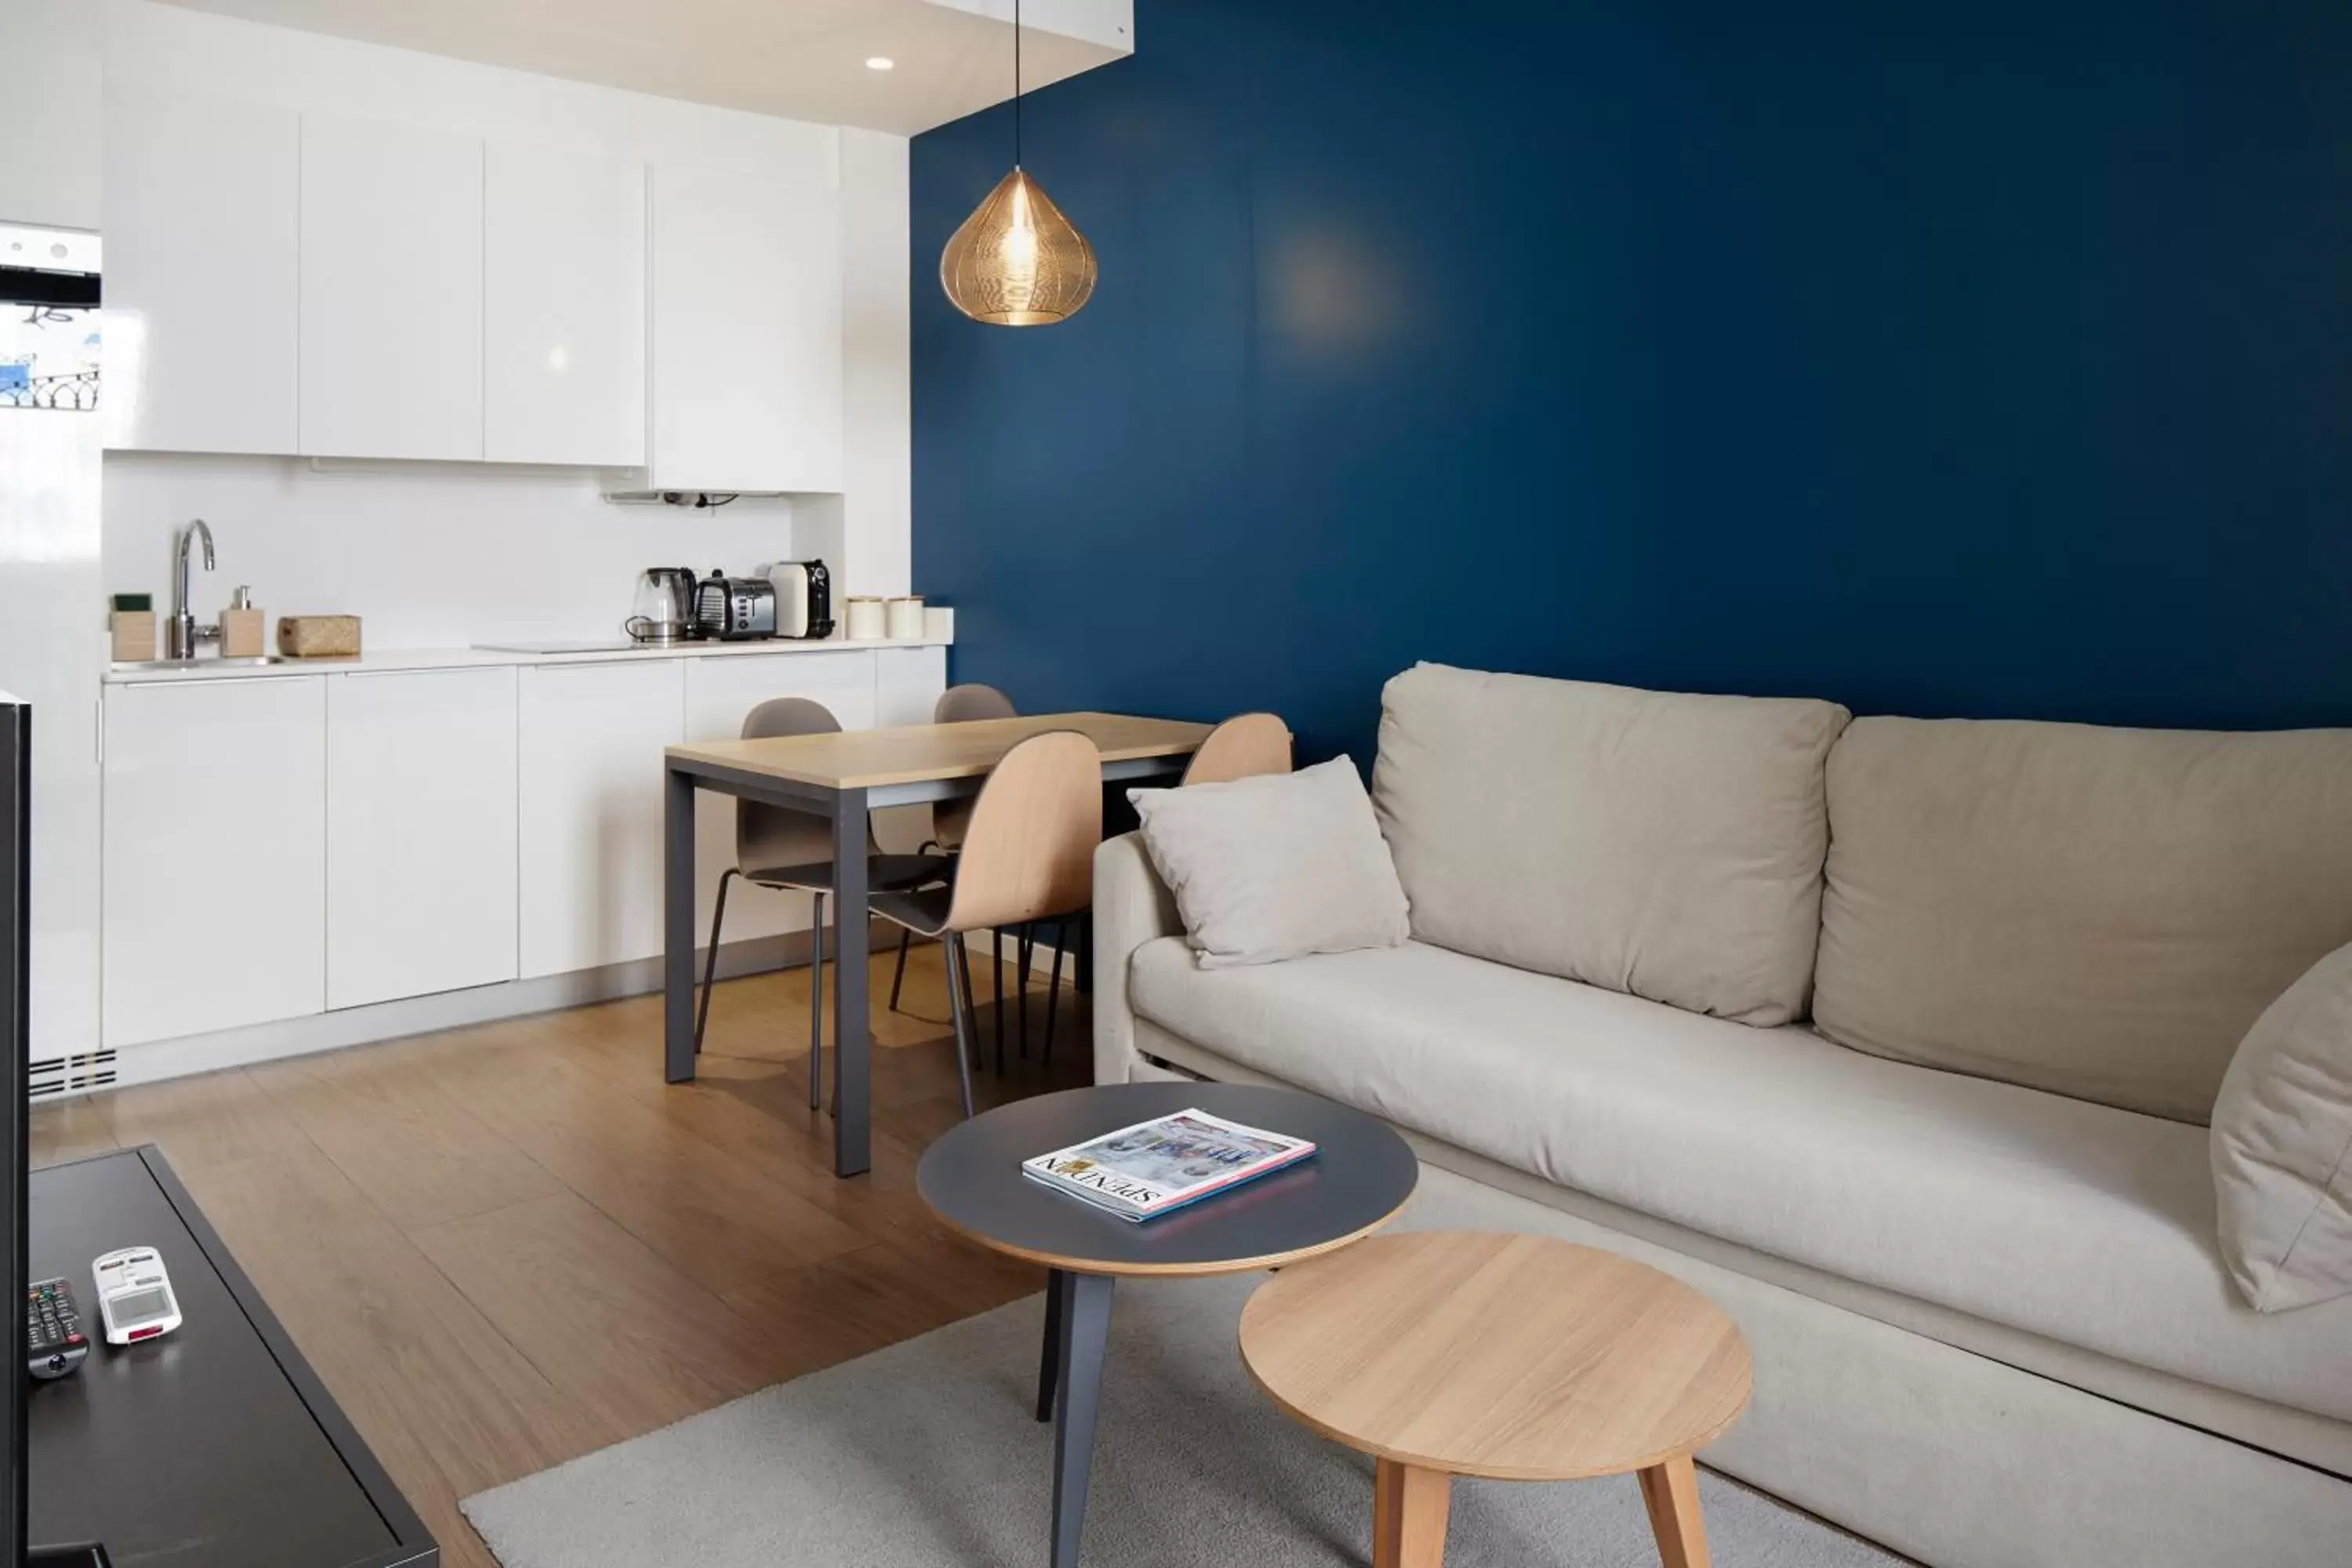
241 628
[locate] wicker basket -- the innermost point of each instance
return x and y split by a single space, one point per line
318 637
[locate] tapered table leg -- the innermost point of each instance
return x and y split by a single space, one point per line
1410 1506
1077 1395
852 1054
1050 1361
1669 1491
677 926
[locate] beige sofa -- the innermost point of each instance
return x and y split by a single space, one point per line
1894 1037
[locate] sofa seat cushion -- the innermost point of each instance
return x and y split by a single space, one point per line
2087 1225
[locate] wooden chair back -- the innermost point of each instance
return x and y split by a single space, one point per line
951 819
770 837
1030 850
1243 747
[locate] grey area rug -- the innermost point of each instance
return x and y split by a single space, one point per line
924 1455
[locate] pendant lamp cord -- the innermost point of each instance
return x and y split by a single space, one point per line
1016 83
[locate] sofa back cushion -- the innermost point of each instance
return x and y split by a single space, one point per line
1662 845
2099 912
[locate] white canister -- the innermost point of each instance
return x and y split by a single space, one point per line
865 617
905 617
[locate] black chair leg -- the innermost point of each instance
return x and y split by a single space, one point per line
959 981
899 975
966 1027
710 960
1053 988
816 1003
996 968
1025 944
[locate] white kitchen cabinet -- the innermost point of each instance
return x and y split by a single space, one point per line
201 198
215 856
720 692
907 684
563 278
591 792
746 327
390 292
421 835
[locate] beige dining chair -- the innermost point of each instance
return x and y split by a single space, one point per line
1027 855
1245 746
793 850
959 705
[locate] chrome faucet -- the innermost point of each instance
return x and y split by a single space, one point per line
181 633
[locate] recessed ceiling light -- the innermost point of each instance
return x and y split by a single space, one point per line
881 63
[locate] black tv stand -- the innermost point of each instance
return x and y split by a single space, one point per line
68 1557
216 1446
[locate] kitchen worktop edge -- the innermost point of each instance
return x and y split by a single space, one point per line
399 660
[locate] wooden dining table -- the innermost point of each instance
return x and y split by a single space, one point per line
842 777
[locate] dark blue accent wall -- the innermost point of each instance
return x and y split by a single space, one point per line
1990 359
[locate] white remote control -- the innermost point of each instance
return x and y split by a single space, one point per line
135 1296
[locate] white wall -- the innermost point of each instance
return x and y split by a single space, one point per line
871 525
429 554
440 555
49 139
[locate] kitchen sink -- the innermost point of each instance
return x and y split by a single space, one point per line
254 661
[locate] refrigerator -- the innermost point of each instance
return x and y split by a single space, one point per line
53 645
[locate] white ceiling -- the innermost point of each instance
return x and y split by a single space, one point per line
804 59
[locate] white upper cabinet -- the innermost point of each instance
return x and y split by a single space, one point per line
201 261
563 275
392 292
746 328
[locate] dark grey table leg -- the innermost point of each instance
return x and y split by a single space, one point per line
678 925
1051 1360
1077 1395
852 1056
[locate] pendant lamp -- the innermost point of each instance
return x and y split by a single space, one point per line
1016 261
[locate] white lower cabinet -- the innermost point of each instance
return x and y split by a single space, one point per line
907 684
719 693
421 806
214 857
591 820
284 845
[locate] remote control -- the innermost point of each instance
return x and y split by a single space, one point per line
135 1296
54 1342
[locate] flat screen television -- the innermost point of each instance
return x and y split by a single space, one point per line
15 962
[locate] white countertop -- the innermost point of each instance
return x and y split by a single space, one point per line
211 668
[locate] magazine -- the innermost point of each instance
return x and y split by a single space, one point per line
1165 1164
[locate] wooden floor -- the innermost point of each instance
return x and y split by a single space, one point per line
507 1245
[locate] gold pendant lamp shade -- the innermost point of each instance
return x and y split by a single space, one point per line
1016 261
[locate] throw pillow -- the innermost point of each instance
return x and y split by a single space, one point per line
1276 867
2282 1145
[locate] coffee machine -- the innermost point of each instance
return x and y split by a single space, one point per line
803 597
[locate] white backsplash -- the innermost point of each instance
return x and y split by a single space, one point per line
428 556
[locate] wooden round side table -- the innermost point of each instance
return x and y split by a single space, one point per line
1448 1353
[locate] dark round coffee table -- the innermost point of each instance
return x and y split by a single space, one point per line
1359 1176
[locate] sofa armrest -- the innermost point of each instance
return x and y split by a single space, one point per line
1132 907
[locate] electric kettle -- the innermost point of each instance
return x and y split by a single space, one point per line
665 606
